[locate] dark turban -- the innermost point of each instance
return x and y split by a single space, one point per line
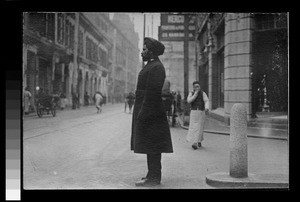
155 46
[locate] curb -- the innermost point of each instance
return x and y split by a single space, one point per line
224 180
226 133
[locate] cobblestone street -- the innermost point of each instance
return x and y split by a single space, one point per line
80 149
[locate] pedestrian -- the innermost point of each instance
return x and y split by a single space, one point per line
178 102
130 101
27 98
62 97
199 108
150 130
126 103
86 98
43 98
98 100
78 100
167 97
74 100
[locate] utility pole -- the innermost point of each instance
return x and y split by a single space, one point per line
186 56
75 68
113 66
152 26
144 36
126 72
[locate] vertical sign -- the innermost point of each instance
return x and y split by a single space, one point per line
179 27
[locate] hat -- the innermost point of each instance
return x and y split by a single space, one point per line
155 46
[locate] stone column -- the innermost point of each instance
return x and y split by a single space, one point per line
238 64
238 141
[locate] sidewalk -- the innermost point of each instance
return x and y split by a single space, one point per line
69 108
215 126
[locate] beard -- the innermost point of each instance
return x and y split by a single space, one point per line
146 57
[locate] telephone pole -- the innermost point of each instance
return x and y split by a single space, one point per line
144 36
186 56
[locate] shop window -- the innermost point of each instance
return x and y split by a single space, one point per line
270 21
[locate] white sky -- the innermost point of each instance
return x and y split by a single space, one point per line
151 28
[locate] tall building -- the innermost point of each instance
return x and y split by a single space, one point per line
77 52
132 63
64 52
243 58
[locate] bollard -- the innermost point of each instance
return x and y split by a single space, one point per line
238 141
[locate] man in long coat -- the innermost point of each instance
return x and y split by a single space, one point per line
150 129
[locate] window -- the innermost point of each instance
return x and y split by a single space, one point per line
91 50
80 43
67 34
60 28
88 48
72 30
43 23
271 21
50 26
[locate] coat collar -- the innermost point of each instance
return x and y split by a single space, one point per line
152 60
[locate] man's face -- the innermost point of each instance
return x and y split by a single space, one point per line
146 54
196 87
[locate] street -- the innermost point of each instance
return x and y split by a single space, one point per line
80 149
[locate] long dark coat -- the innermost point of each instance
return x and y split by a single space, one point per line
150 128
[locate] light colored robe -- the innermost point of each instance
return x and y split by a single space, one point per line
197 120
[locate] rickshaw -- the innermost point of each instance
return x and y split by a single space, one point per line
47 104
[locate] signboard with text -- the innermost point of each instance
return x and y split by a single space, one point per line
173 28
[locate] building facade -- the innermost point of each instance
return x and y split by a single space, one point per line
243 58
176 32
127 56
173 60
69 52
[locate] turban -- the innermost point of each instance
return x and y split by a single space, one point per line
155 46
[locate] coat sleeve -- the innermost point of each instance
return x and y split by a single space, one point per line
152 103
206 100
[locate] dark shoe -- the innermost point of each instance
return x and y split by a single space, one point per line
199 144
194 146
144 182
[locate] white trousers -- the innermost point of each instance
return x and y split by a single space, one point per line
196 127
